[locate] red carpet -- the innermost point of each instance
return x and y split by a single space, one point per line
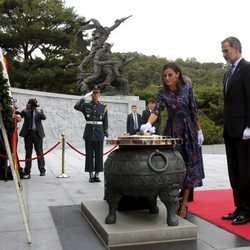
211 205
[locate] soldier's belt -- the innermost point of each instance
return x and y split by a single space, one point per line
94 122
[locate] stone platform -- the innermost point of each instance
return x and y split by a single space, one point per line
135 227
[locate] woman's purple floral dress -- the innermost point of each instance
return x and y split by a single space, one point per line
182 116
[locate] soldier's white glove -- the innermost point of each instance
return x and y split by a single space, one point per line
200 137
246 134
152 130
88 94
145 127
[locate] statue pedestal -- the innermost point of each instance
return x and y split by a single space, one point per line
135 227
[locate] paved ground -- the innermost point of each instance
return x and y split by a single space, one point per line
41 193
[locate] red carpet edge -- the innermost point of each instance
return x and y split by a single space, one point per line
211 205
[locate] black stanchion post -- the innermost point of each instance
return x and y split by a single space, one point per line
63 175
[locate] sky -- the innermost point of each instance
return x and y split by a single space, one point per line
172 29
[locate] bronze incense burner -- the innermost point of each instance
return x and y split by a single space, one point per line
145 166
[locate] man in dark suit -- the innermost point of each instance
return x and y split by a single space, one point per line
133 121
96 116
237 128
33 133
146 113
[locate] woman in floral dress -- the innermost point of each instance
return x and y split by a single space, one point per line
182 122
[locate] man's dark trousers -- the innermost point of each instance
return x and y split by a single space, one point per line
94 149
33 138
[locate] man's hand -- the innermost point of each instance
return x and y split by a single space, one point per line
145 127
246 134
200 137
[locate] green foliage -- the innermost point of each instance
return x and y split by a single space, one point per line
143 71
146 93
38 37
6 104
212 133
210 101
202 73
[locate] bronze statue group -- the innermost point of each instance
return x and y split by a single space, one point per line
107 71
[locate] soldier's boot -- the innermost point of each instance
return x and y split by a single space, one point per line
97 179
91 177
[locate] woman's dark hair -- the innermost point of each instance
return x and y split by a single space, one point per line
176 69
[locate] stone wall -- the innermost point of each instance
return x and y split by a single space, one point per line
62 118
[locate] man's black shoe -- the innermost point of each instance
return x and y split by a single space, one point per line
230 216
26 176
97 179
42 174
240 220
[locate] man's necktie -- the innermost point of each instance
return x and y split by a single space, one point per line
135 122
229 75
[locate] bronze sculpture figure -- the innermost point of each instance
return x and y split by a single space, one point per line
107 72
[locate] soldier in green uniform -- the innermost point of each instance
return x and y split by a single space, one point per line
96 116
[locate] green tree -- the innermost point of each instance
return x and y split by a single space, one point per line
212 132
38 37
210 101
144 71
